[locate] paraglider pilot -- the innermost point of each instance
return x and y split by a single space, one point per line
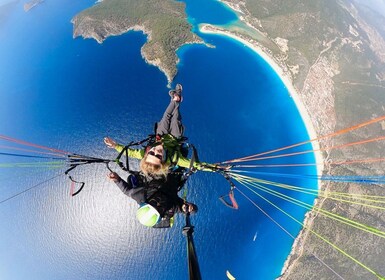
166 152
154 187
158 198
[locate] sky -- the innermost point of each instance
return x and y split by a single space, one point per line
376 5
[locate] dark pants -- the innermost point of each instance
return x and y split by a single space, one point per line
171 122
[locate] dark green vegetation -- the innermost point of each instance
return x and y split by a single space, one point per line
335 56
164 21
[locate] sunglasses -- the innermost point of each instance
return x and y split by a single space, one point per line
152 153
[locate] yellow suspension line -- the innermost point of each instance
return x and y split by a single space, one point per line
315 150
331 195
328 214
33 164
281 227
322 238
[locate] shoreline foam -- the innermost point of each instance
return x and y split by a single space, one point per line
287 81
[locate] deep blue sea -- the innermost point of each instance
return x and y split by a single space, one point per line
69 93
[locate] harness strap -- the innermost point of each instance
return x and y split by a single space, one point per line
191 169
194 158
174 157
73 186
125 150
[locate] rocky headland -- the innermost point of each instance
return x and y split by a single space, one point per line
163 21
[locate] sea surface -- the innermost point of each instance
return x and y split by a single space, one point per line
69 93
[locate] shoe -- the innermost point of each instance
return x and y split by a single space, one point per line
178 88
177 91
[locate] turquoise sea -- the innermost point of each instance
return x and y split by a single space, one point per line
69 94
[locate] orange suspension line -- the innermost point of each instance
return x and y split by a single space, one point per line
312 164
318 150
25 143
30 151
340 132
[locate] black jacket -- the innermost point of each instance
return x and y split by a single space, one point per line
161 193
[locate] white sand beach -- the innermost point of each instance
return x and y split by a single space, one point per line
209 29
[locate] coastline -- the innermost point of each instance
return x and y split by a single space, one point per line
209 29
287 81
169 72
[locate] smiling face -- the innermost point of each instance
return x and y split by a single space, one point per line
155 155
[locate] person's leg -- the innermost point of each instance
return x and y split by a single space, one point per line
164 124
171 122
176 126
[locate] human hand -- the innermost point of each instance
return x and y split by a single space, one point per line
189 208
113 176
109 142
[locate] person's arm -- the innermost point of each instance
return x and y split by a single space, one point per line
123 185
185 162
178 205
133 153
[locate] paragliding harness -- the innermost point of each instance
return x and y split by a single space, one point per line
184 173
151 141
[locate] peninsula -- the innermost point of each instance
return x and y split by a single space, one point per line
163 21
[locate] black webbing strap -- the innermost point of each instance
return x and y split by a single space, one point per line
194 158
125 151
76 160
81 186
